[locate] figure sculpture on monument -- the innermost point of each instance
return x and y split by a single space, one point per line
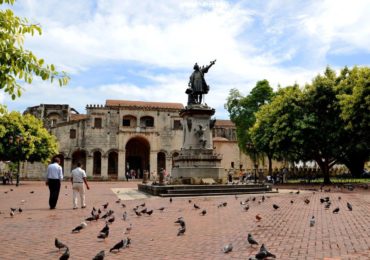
197 84
200 133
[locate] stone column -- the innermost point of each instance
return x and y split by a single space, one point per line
153 161
89 165
67 167
121 164
169 165
104 167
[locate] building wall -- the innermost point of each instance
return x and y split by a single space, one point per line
102 129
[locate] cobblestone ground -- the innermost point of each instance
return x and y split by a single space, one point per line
285 232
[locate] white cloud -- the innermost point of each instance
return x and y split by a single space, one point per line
251 42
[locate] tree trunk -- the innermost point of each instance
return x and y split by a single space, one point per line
356 168
270 165
324 167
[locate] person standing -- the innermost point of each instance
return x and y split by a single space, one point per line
78 178
54 176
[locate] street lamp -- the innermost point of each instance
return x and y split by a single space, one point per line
18 141
251 147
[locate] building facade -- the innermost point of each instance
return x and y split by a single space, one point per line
121 136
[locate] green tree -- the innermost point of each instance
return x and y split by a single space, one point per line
24 138
354 101
242 113
17 64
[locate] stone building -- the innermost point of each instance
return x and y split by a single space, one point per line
122 136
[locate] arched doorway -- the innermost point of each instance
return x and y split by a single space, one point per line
113 164
161 161
97 163
79 156
137 155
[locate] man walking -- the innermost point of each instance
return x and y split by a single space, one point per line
54 176
78 178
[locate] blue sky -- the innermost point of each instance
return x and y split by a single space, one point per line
145 50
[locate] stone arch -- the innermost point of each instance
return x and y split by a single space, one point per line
97 159
113 163
54 118
129 121
137 155
161 160
79 156
146 121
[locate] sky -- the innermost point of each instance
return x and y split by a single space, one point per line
145 50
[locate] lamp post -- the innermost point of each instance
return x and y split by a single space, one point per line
251 147
18 142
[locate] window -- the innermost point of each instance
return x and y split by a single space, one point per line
177 125
232 165
53 122
126 122
72 133
147 121
97 122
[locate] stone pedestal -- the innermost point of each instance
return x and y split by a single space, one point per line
197 159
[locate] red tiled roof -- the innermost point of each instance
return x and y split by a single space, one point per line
224 123
77 117
129 103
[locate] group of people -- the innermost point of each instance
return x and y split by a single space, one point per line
54 177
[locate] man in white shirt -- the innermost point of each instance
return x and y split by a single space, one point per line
78 178
54 176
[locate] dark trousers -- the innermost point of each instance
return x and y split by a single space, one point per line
54 188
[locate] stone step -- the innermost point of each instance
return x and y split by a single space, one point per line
216 190
210 194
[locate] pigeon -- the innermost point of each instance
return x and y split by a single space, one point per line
99 256
327 205
59 244
275 206
297 192
312 221
142 205
204 212
103 235
264 253
336 210
196 206
123 205
246 208
349 206
12 213
263 198
104 229
161 208
236 197
111 220
32 192
126 242
20 210
124 216
170 200
181 231
322 200
95 217
251 240
291 201
118 201
65 255
180 221
189 201
137 213
307 201
258 217
143 211
339 198
105 206
79 228
128 229
117 246
228 248
149 212
13 209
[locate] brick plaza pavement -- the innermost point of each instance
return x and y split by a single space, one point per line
286 231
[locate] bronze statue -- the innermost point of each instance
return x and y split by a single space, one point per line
197 84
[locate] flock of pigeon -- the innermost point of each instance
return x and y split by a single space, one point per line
107 215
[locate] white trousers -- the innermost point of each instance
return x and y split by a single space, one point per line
78 189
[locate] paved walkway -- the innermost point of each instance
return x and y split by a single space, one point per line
286 231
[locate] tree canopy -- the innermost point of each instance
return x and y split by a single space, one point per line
24 138
18 65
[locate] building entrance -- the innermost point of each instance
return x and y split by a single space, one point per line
137 156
